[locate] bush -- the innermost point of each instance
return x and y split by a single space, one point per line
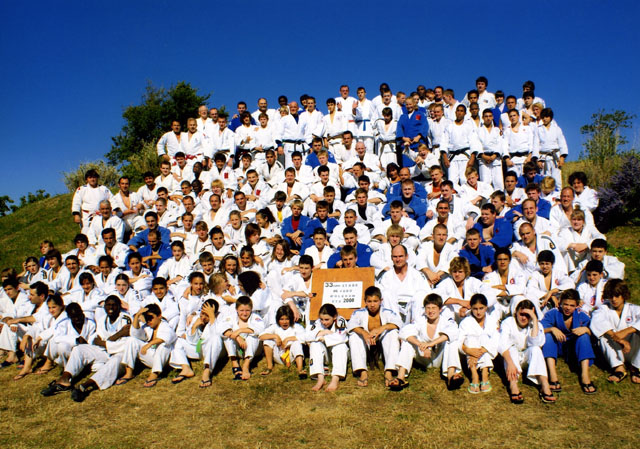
598 174
108 175
620 198
143 161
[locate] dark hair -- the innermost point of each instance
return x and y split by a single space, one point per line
578 175
328 309
594 265
616 287
570 293
244 301
305 260
478 298
284 311
159 281
86 277
114 298
546 256
40 287
599 243
250 281
56 299
432 298
373 291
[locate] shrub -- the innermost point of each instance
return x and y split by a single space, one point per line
108 175
142 161
620 198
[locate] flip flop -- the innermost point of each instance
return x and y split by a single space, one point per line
555 387
547 398
150 383
176 380
635 374
485 384
363 383
618 376
586 388
398 384
516 398
42 371
123 380
6 364
20 376
205 383
266 372
471 387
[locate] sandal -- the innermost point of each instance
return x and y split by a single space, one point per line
55 388
488 386
302 375
398 384
237 373
555 387
455 382
266 372
205 383
472 388
635 374
618 376
516 398
179 378
20 376
547 398
43 371
123 380
150 383
586 388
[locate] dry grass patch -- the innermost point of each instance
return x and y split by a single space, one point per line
281 411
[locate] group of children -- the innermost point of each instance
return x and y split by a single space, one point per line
214 258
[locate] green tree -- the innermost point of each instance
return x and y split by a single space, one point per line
4 205
147 121
604 135
30 198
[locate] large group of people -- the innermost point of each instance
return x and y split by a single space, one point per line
480 253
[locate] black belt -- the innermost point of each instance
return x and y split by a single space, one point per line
489 153
455 153
295 142
519 154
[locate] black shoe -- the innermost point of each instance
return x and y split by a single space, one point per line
54 388
79 394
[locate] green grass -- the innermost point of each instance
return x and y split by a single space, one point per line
21 232
280 411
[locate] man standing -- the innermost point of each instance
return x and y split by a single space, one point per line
86 200
412 130
169 143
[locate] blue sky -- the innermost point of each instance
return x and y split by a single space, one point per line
69 68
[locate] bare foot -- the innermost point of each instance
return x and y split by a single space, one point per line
333 386
246 374
319 384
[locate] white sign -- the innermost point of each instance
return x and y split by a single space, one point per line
343 295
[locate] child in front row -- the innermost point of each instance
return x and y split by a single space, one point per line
567 333
478 340
616 325
240 331
151 342
283 342
521 340
428 341
327 338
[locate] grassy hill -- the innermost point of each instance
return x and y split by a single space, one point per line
280 411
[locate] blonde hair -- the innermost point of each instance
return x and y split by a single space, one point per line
577 214
548 184
460 264
396 230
